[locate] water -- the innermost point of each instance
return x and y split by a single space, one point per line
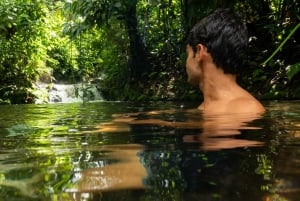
154 151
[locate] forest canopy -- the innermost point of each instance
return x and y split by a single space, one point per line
135 49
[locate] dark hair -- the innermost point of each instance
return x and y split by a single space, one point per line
225 37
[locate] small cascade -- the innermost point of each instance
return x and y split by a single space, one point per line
71 93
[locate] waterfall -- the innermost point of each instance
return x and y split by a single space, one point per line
70 93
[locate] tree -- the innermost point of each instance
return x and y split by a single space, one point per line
22 52
102 13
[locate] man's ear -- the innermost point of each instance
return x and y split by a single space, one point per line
201 52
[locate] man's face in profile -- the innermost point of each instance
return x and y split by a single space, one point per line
192 67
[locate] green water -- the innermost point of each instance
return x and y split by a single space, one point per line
93 151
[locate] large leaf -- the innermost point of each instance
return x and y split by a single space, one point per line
293 70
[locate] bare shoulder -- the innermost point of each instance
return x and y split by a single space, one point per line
246 105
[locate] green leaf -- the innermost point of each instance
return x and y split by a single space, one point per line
293 70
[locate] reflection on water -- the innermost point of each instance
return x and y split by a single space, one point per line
127 173
157 151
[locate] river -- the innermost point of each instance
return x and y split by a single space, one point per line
147 151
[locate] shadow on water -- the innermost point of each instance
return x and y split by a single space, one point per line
157 151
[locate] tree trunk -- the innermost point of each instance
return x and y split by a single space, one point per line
137 62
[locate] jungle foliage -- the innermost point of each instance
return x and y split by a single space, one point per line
135 50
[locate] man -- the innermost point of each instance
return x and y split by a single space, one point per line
216 48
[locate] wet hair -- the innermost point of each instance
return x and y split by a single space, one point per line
225 37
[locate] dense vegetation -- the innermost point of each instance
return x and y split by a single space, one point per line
135 50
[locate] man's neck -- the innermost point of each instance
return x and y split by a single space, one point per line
223 95
217 86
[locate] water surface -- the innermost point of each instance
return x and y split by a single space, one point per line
154 151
